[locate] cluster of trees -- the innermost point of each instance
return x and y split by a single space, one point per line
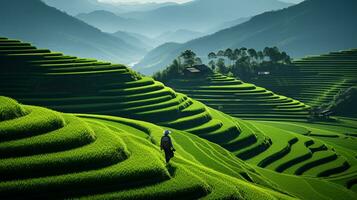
245 63
186 59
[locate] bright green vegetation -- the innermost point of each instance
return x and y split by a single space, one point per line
237 98
49 154
46 153
319 78
322 150
112 157
70 84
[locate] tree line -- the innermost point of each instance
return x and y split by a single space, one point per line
246 63
242 63
186 59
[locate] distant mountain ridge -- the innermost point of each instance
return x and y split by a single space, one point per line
311 27
198 16
47 27
111 22
75 7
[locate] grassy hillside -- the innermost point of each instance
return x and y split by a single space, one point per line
323 155
314 150
26 21
319 78
237 98
46 154
105 157
70 84
311 27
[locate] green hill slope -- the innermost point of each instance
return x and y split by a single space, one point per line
237 98
70 84
46 154
75 85
319 78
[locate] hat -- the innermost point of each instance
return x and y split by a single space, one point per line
166 132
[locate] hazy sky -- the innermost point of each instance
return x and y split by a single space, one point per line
178 1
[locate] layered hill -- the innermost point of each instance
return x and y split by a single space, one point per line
60 149
111 22
75 7
46 154
26 20
196 15
237 98
71 84
202 15
317 78
311 27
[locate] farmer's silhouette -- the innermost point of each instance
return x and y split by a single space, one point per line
166 145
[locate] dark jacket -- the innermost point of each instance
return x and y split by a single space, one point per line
166 143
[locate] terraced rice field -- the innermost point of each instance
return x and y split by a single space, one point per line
319 78
49 154
314 150
69 84
122 154
239 99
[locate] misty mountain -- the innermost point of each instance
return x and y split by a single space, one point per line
134 6
134 39
311 27
152 61
229 24
110 22
75 7
201 15
197 16
179 36
47 27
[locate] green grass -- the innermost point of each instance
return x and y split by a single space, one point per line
239 99
65 83
318 78
111 157
314 150
105 157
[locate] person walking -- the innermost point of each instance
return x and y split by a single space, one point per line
166 145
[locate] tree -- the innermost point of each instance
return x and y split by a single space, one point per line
260 55
198 61
221 66
228 53
253 53
188 57
212 55
212 64
285 58
220 53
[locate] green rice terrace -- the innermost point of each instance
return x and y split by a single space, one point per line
46 153
318 78
102 151
237 98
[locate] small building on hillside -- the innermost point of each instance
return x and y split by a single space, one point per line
264 73
197 70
